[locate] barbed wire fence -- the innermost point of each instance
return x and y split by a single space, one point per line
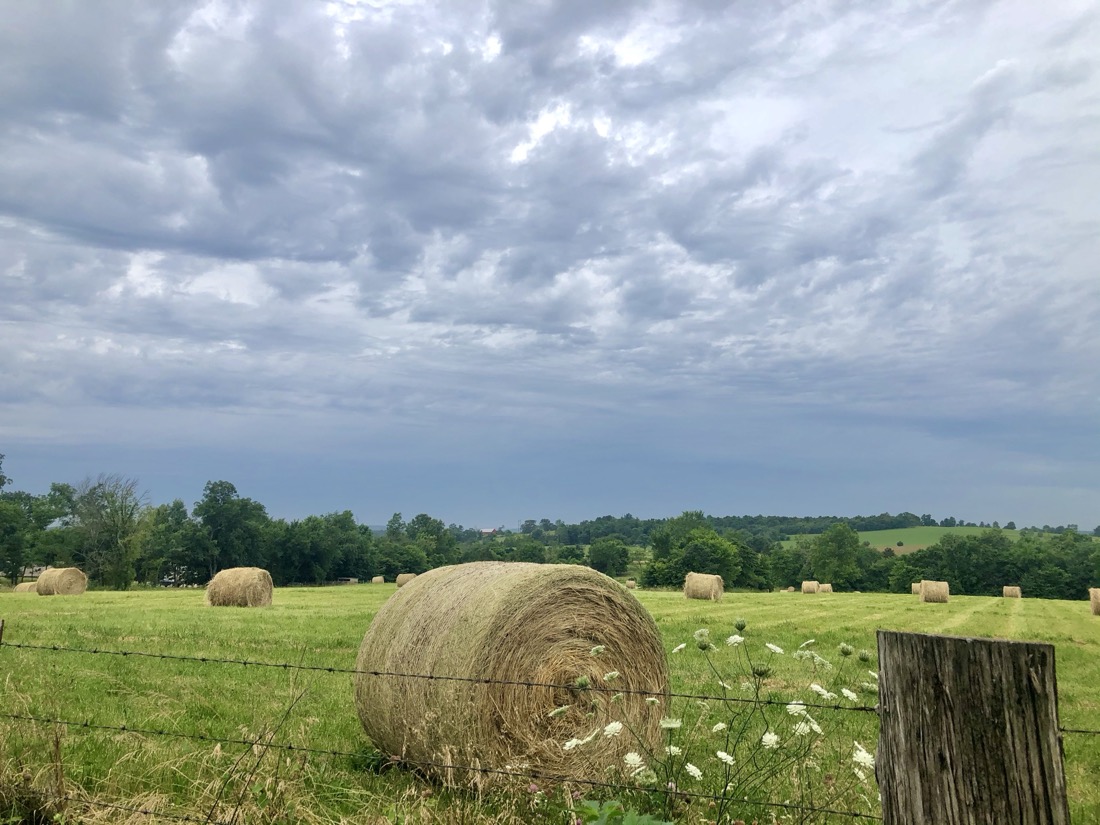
85 725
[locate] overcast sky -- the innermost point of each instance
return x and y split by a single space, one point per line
506 260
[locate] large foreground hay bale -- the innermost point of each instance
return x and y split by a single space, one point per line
61 581
810 587
501 622
1010 592
378 580
703 586
405 578
1094 599
240 587
932 591
915 588
824 588
25 587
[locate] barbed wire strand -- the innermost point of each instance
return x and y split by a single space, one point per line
525 774
433 677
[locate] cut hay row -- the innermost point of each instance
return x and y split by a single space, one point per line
1009 592
378 580
510 622
61 581
405 578
703 586
1094 599
25 587
933 591
824 588
240 587
810 587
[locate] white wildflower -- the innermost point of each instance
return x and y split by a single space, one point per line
701 635
849 695
747 687
558 711
611 676
652 700
646 776
818 689
724 757
816 728
721 726
679 647
770 740
671 724
863 757
807 643
723 685
735 640
597 650
799 655
824 664
633 760
774 648
572 743
613 729
801 729
874 673
672 750
590 736
694 771
862 776
796 708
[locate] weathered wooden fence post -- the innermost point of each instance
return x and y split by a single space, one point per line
969 732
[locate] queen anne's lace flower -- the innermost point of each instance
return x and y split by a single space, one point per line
770 740
671 724
611 676
863 757
724 757
597 650
849 695
633 760
558 711
694 771
802 729
652 700
679 647
735 640
774 648
672 750
572 743
721 726
796 708
613 729
807 643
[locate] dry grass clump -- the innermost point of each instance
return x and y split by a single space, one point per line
61 581
810 587
915 588
1094 599
824 588
240 587
703 586
1010 592
405 578
631 584
932 591
505 622
378 580
25 587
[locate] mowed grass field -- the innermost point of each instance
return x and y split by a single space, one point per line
323 628
913 538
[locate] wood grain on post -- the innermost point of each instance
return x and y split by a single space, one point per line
969 732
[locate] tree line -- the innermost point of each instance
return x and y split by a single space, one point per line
107 527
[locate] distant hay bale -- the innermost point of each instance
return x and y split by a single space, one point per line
1010 592
703 586
378 580
824 588
26 587
933 591
915 588
405 578
631 584
1094 599
497 625
810 587
790 589
61 581
240 587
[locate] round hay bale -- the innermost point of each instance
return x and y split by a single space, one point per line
405 578
915 588
378 580
240 587
790 589
824 588
932 591
1094 599
26 587
810 587
499 623
631 584
703 586
1009 592
61 581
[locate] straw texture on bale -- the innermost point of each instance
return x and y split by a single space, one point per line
1094 598
240 587
405 578
824 588
511 622
810 587
703 586
631 584
378 580
916 588
1010 592
932 591
61 581
25 587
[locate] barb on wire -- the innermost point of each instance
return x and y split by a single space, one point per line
512 772
434 677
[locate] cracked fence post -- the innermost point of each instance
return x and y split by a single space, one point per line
969 732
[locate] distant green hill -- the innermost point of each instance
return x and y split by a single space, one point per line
916 538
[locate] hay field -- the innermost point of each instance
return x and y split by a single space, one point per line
913 538
324 627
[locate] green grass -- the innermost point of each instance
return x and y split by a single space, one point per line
913 538
323 627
